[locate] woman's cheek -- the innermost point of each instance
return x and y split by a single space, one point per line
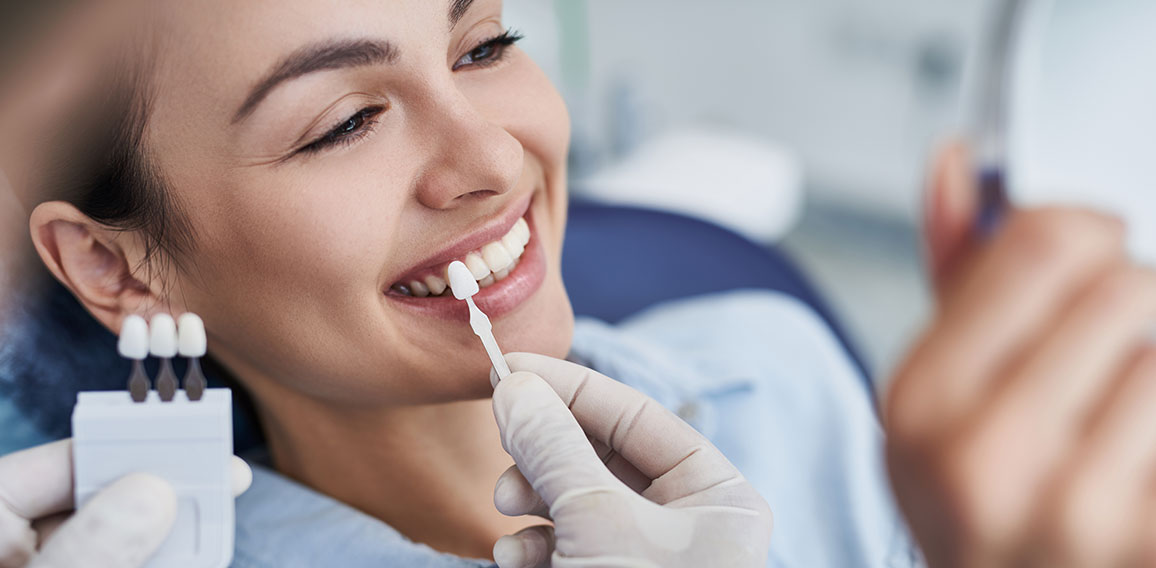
522 100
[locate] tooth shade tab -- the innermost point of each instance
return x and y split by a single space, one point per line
462 280
163 336
134 338
191 338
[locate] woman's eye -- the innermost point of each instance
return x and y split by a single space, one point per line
490 51
348 131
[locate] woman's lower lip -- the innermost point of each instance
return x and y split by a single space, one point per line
497 299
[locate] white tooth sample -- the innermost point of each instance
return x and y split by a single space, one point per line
163 336
477 266
486 281
436 285
461 280
502 274
191 340
134 338
513 244
418 288
523 229
496 257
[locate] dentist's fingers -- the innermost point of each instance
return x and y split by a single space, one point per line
242 476
530 547
34 483
641 431
514 496
1009 296
120 527
37 482
547 443
17 540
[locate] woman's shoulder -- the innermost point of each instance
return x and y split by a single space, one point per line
716 341
762 376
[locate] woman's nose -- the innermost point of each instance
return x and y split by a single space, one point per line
473 156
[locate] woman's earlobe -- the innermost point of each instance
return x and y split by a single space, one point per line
80 254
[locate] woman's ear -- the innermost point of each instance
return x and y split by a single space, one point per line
95 263
950 205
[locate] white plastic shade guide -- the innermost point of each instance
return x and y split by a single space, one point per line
192 341
187 443
163 336
134 338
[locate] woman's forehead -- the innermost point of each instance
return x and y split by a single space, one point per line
213 53
246 38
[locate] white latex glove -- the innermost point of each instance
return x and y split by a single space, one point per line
120 527
645 489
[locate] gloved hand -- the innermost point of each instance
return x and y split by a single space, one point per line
120 527
645 489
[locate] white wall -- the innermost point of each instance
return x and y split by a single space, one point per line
859 89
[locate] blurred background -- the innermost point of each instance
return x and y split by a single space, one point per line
810 123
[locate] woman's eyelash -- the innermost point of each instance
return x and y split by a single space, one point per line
346 132
489 51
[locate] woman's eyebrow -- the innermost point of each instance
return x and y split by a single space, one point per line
458 8
319 57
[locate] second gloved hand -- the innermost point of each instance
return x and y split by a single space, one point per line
120 527
626 482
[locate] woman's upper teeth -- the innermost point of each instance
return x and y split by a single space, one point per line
490 264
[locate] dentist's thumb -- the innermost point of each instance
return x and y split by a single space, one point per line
554 458
546 441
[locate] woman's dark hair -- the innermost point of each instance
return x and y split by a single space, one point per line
50 347
120 187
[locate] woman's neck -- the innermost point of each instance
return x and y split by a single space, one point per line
427 471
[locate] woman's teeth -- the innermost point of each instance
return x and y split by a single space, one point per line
491 264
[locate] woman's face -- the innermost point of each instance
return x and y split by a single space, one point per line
329 157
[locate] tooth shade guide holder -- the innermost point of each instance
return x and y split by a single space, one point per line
194 380
138 382
188 444
167 381
463 286
482 327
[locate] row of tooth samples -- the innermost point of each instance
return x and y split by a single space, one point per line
164 339
492 263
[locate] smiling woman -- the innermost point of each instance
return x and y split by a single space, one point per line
311 159
301 175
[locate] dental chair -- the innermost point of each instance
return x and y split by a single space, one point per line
42 367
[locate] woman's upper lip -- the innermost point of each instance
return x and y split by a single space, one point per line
491 230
